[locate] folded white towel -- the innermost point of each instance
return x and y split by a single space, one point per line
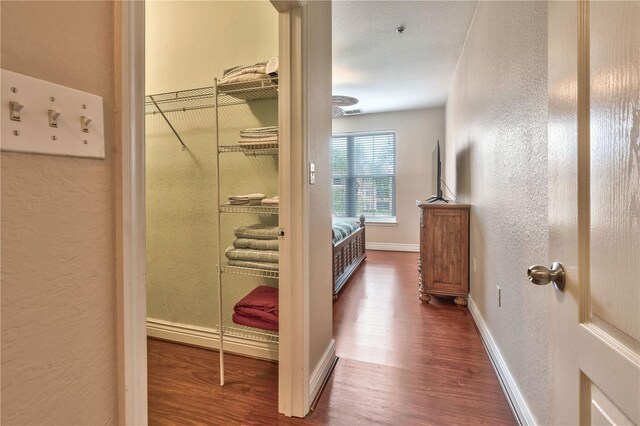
240 68
272 67
271 201
260 129
245 78
258 135
272 139
254 196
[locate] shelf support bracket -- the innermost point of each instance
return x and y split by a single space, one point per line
168 122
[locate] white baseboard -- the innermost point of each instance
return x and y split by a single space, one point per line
393 247
516 400
321 370
208 338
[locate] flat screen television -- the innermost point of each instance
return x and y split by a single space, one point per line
436 176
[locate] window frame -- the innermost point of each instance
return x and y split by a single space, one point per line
351 193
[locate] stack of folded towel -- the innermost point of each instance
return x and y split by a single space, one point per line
258 309
241 74
258 136
273 201
246 200
255 246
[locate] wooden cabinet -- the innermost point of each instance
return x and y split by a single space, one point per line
443 265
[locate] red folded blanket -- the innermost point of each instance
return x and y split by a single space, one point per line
254 322
258 309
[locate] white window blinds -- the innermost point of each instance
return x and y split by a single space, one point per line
364 175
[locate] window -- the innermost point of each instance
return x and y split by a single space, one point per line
364 175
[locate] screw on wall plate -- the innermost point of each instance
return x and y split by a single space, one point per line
54 138
52 99
84 106
16 133
85 141
14 90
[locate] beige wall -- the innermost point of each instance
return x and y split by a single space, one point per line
59 362
497 162
188 44
416 134
317 123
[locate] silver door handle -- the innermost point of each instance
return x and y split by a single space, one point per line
540 275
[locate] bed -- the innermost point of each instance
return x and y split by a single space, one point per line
348 250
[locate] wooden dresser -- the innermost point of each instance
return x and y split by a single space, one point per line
443 265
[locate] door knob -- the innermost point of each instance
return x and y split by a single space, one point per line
539 275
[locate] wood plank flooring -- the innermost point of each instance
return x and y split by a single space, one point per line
401 363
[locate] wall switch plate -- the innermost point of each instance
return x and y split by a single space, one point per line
53 119
312 173
499 295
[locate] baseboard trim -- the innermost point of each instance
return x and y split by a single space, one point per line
518 404
322 369
393 247
208 338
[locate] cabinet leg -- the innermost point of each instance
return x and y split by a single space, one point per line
424 297
460 301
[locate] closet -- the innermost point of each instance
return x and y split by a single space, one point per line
212 177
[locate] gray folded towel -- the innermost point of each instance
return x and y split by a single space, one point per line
251 255
256 244
257 231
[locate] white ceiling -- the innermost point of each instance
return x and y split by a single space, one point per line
388 71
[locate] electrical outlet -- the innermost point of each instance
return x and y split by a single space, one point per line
475 265
499 295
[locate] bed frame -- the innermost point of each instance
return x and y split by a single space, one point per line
348 254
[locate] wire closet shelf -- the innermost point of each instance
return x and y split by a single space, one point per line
205 97
229 328
226 208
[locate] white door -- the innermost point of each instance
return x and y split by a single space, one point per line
594 210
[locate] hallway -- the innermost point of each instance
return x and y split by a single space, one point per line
401 363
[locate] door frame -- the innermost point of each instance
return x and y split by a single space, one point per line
130 212
129 61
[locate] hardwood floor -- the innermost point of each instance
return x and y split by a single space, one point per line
401 363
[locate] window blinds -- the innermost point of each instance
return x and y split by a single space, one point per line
364 174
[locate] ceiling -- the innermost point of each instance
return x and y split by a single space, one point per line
388 71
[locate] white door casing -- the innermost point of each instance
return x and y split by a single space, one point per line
594 210
132 354
130 213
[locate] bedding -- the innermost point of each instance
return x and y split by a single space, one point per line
348 250
258 309
342 228
253 322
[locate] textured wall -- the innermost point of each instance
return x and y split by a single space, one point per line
497 161
317 24
188 44
416 133
59 361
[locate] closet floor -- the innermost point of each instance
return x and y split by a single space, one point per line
401 363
